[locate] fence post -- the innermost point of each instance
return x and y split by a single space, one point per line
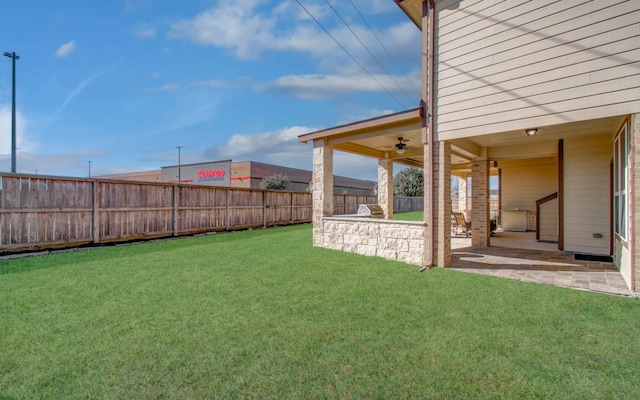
176 200
292 219
264 208
227 219
96 212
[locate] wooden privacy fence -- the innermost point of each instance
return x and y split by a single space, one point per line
43 212
406 204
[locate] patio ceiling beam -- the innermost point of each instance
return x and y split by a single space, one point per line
405 159
395 132
461 155
407 154
360 150
532 150
466 147
410 163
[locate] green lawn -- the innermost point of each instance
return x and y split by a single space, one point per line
408 216
263 314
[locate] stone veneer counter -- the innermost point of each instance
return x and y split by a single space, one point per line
390 239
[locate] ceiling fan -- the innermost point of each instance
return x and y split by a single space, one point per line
400 147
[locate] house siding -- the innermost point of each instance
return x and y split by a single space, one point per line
587 194
525 181
534 63
548 221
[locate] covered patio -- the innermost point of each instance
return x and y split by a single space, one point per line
430 243
542 265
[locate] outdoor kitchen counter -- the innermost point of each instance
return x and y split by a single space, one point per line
387 238
356 218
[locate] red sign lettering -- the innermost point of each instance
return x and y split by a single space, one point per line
212 173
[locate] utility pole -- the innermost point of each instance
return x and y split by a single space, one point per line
89 168
13 57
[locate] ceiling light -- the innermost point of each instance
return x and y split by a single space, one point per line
400 147
531 132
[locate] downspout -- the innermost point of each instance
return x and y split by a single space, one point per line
427 122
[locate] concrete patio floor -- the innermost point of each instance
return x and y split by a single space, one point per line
515 255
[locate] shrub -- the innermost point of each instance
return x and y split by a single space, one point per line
409 182
275 182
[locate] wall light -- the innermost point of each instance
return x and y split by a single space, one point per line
531 132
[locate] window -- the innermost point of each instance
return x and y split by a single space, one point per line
621 148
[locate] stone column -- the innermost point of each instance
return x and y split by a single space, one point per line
480 225
322 188
442 203
462 195
385 187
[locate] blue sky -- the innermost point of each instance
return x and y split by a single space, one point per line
122 83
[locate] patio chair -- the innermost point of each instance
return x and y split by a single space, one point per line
459 224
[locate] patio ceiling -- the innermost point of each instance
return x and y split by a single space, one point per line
377 138
516 144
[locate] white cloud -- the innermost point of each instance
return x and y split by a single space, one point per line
134 6
65 49
260 144
80 87
23 142
282 147
323 86
247 31
381 6
145 31
211 84
54 164
228 26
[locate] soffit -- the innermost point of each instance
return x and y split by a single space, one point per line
516 144
377 137
413 9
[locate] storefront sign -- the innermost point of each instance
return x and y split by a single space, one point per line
210 175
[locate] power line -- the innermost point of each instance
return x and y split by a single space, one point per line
390 37
412 84
369 51
348 53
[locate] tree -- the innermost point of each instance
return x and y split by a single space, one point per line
275 182
409 182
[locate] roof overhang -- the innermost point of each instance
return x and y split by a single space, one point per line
413 9
377 137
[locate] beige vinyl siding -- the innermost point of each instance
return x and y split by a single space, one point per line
525 181
548 221
587 194
508 65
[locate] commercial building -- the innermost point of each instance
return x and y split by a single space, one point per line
246 174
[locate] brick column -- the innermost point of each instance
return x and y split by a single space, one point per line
322 188
442 203
635 201
480 225
385 187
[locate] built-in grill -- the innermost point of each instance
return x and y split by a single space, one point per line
370 210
